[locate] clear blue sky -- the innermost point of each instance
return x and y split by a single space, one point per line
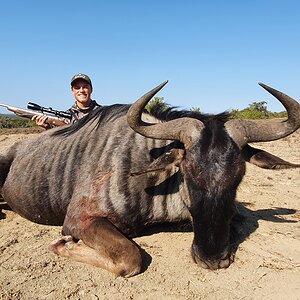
212 52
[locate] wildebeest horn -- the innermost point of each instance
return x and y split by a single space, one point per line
246 131
185 130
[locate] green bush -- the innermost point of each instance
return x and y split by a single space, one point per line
255 114
257 110
155 103
15 122
282 114
249 114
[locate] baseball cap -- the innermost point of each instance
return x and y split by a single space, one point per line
82 77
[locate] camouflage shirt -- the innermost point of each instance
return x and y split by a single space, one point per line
78 113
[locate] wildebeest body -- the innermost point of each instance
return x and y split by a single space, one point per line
104 181
91 170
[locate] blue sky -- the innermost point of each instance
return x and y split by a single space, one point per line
212 52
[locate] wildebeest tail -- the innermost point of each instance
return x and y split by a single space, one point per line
5 163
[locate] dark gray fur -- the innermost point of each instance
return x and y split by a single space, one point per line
57 167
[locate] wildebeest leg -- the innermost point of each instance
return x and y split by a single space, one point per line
104 246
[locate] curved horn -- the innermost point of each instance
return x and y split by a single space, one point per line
245 131
185 130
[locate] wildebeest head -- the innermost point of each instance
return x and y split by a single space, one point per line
212 167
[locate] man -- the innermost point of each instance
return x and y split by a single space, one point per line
82 88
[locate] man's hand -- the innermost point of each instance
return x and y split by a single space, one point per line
41 121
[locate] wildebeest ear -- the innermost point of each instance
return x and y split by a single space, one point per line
163 163
265 159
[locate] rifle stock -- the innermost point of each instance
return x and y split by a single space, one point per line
24 113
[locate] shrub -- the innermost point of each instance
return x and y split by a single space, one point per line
15 122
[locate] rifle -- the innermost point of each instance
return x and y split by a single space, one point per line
38 110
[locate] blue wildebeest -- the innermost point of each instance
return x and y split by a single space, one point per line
105 181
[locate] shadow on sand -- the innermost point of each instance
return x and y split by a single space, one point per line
244 224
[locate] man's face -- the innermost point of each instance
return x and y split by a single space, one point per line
82 92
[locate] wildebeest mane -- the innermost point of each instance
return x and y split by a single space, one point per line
170 113
102 114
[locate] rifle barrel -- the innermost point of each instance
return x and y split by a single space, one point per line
30 113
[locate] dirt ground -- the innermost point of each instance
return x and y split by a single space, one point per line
267 261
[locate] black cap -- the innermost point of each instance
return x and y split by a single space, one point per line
82 77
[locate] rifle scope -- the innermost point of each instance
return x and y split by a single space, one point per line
58 113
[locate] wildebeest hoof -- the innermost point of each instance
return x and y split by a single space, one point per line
225 262
59 245
214 264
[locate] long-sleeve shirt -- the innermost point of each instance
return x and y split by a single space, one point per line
77 113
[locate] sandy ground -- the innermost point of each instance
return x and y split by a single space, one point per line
267 262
